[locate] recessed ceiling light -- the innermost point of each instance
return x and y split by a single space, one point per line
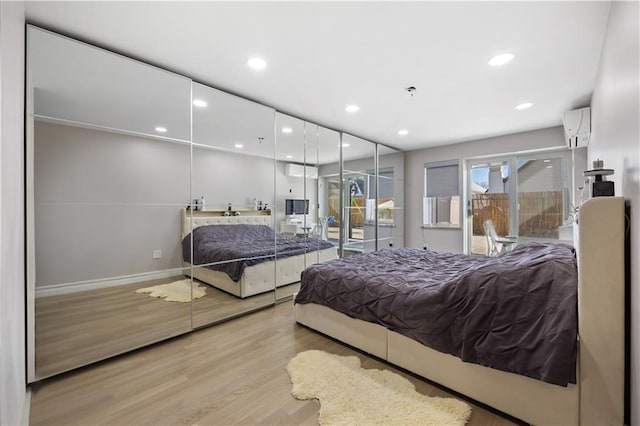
403 132
345 145
287 130
547 161
500 59
257 63
289 157
524 105
161 129
352 108
548 167
238 145
199 103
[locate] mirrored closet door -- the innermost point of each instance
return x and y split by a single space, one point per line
230 222
108 153
300 214
156 205
390 201
329 194
358 195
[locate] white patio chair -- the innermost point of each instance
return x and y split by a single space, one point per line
497 245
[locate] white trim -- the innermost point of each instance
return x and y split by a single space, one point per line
26 408
66 288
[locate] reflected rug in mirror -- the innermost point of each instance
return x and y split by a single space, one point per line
177 291
351 395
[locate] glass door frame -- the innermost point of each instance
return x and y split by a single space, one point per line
512 160
509 160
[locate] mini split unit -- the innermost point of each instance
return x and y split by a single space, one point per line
577 127
298 170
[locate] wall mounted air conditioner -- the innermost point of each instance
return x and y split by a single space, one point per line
577 127
298 170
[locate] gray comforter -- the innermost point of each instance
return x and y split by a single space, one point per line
516 312
231 248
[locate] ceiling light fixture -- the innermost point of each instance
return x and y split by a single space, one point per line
161 129
352 108
200 103
403 132
345 145
257 64
238 145
287 130
289 157
500 59
524 105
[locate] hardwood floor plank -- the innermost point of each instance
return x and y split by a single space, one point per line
231 373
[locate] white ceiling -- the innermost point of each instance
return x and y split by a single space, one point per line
323 56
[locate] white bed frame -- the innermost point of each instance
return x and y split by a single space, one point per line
598 396
257 278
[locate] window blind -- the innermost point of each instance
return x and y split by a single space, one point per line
441 179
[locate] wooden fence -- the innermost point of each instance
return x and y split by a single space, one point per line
540 213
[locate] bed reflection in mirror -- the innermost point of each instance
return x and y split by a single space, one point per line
228 237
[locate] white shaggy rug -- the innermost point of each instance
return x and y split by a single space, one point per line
351 395
177 291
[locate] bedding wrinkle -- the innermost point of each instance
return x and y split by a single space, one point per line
516 312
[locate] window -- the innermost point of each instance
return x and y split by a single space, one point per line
441 202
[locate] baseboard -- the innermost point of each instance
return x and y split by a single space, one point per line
26 408
66 288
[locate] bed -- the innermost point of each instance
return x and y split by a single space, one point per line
254 274
543 375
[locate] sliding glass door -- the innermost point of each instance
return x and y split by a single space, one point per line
524 196
490 199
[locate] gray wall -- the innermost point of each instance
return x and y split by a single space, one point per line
14 402
226 177
615 138
451 240
105 201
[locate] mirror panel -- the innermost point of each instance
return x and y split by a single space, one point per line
312 223
359 231
84 85
294 207
104 205
90 301
102 230
390 197
233 230
329 185
302 238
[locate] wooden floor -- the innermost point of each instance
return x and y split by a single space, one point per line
229 374
76 329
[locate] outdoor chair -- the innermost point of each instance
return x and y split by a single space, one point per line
497 245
